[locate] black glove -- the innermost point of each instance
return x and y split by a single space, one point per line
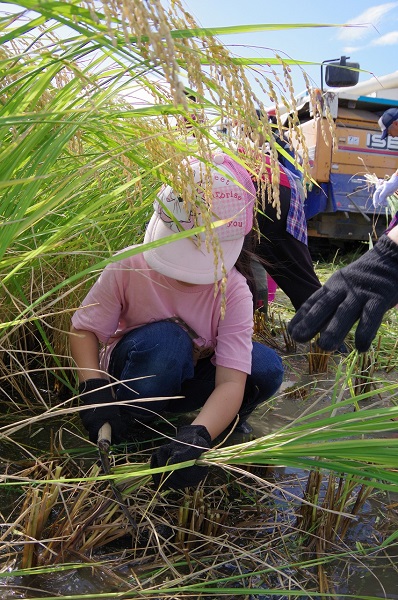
93 391
190 442
363 290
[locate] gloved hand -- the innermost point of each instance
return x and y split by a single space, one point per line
385 189
376 195
363 290
190 442
93 391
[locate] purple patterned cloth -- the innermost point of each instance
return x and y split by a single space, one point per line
296 223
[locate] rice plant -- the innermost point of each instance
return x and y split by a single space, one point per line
96 111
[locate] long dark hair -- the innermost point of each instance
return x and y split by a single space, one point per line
244 264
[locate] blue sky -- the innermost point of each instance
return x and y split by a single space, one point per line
374 44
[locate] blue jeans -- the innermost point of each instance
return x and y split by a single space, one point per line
156 361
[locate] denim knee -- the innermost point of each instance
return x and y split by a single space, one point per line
152 360
267 371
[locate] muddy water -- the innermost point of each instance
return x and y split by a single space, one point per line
375 575
372 576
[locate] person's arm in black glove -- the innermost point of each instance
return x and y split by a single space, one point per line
93 388
189 443
98 391
217 413
362 291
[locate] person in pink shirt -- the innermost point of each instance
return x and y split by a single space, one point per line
169 329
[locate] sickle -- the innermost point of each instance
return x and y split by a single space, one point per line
103 443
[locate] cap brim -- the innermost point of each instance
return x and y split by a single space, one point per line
184 260
384 134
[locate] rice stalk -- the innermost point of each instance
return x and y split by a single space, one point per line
265 329
196 544
363 380
80 167
290 343
37 503
318 359
323 528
